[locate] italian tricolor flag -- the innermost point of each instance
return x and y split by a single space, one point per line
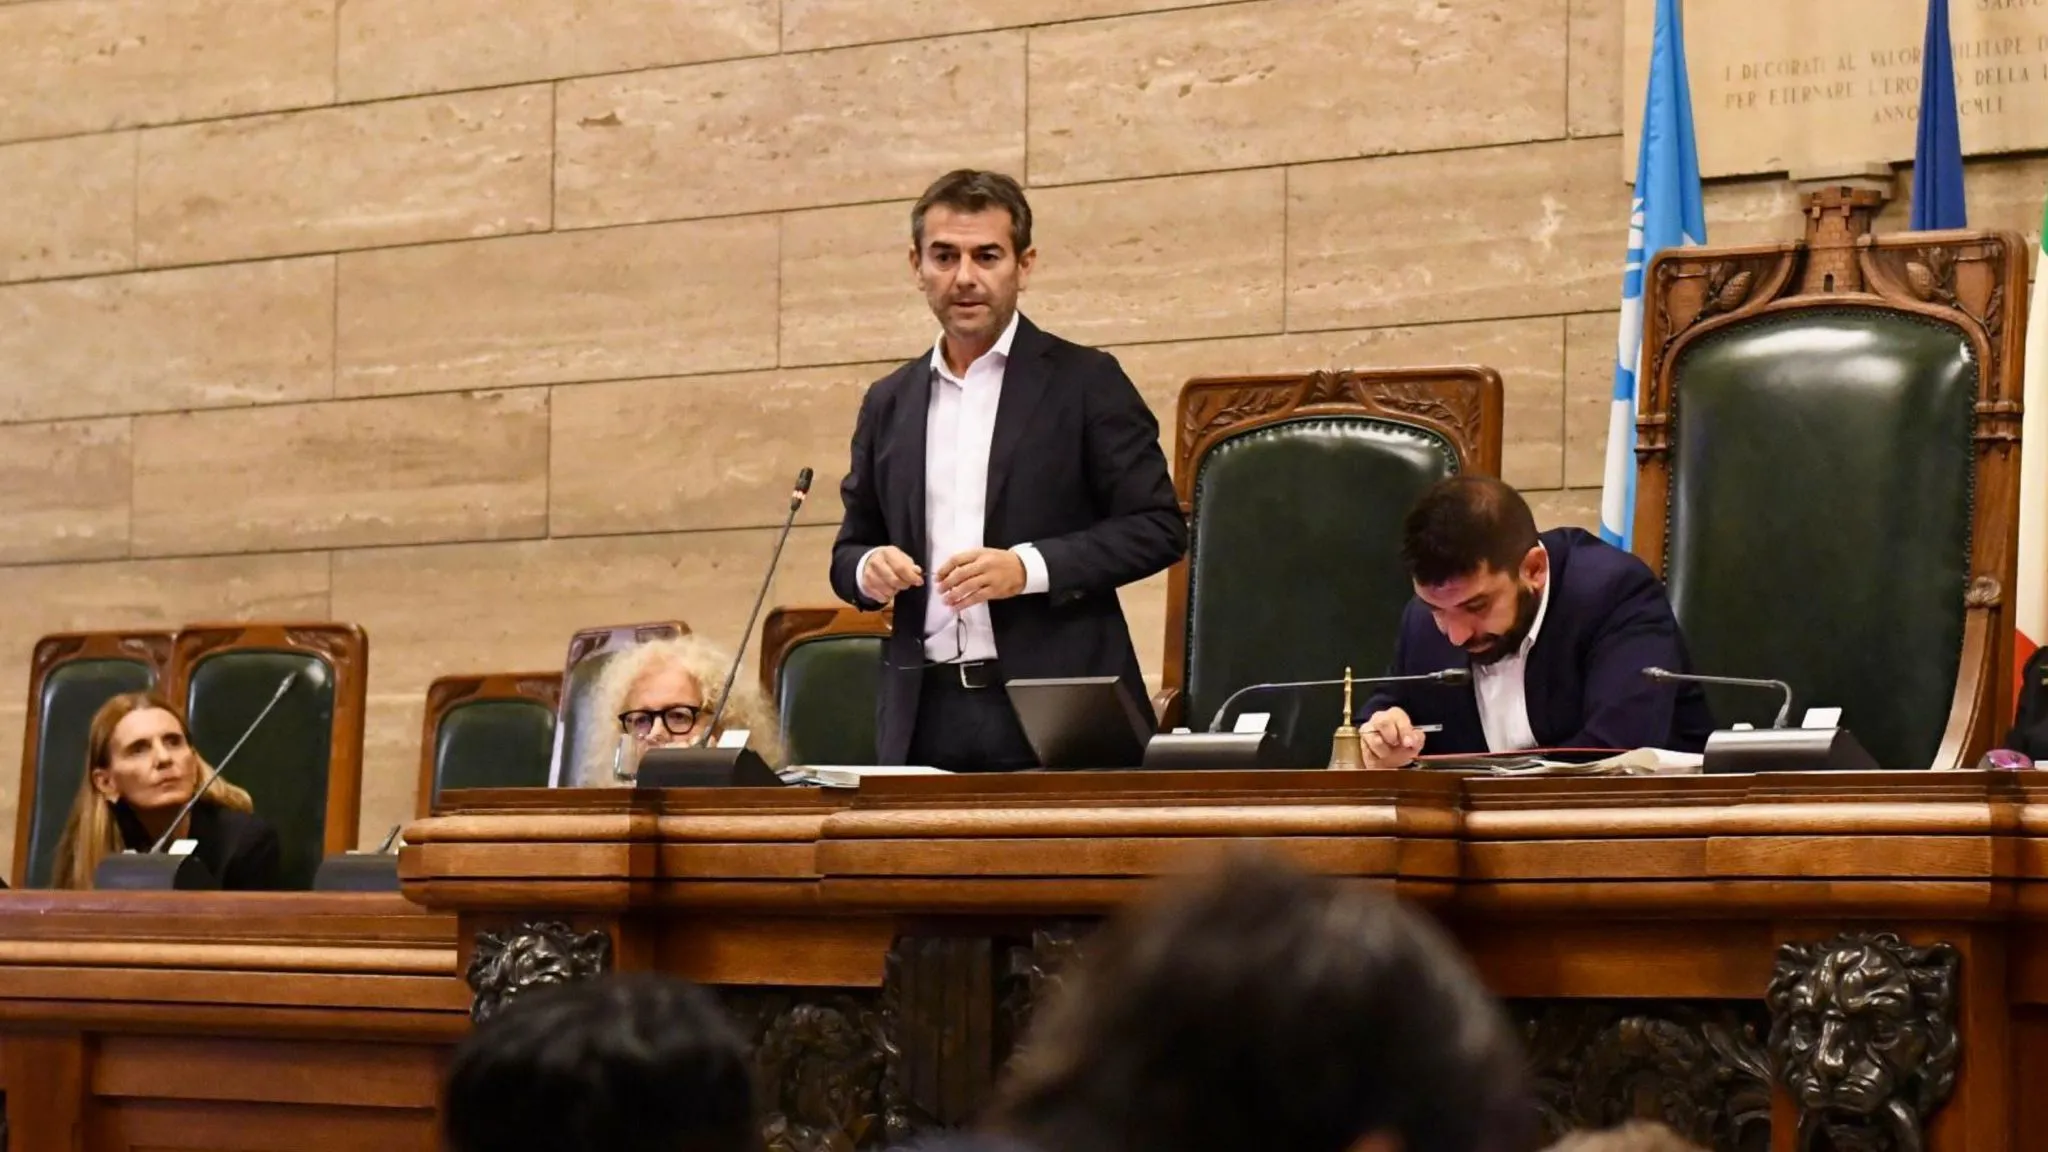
2031 605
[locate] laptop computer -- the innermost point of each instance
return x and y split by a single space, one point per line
1081 722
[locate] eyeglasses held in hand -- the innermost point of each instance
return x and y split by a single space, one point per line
959 651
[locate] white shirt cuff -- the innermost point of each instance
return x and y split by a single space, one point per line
1036 580
860 576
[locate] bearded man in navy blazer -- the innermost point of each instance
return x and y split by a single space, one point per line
1556 629
1003 486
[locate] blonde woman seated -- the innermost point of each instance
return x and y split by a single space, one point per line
663 693
141 770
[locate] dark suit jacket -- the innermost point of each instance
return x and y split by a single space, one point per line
1074 469
239 848
1608 619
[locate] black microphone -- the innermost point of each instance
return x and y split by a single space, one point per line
797 496
283 686
1662 676
1446 676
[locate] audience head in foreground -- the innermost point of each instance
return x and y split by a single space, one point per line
140 771
638 1063
663 693
1259 1007
1634 1136
1555 629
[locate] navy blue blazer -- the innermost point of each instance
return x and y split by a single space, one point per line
1608 619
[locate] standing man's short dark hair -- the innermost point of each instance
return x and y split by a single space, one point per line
968 190
1465 523
1258 1007
637 1063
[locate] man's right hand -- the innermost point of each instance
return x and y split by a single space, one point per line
887 571
1390 740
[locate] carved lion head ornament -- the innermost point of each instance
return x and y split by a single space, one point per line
1863 1035
531 956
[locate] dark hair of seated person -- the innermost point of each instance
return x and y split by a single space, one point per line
1257 1007
634 1063
140 770
1463 524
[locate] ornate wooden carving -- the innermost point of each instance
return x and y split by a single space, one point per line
938 1018
1686 295
1963 276
1863 1038
1837 219
1453 402
531 955
1031 972
818 1060
1699 1068
1968 281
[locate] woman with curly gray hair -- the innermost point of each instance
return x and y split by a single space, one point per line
664 692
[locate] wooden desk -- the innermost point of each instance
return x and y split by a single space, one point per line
224 1021
885 948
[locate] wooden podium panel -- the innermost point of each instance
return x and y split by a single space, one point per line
1671 946
1684 947
231 1022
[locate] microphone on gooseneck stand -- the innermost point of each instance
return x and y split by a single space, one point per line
156 870
1446 676
283 686
699 765
1828 748
1784 709
1214 748
797 495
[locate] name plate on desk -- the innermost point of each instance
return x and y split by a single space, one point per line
1786 750
154 872
720 767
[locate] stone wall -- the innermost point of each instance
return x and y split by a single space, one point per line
474 322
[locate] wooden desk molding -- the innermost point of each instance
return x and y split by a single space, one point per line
1685 948
224 1021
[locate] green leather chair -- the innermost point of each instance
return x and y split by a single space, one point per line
491 731
822 667
70 675
303 766
1828 476
1295 488
575 726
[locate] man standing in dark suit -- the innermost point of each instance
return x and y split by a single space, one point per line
1002 488
1555 628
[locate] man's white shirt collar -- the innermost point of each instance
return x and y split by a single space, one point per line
1001 350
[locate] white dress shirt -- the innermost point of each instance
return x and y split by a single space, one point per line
1501 690
959 428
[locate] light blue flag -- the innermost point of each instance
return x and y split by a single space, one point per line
1665 212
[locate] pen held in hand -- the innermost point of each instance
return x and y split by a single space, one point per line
1426 727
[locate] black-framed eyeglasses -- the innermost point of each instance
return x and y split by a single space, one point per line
677 718
959 651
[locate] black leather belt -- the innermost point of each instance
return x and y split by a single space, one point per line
973 675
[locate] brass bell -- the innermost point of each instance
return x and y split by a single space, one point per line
1347 753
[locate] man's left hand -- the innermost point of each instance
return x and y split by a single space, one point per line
979 575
